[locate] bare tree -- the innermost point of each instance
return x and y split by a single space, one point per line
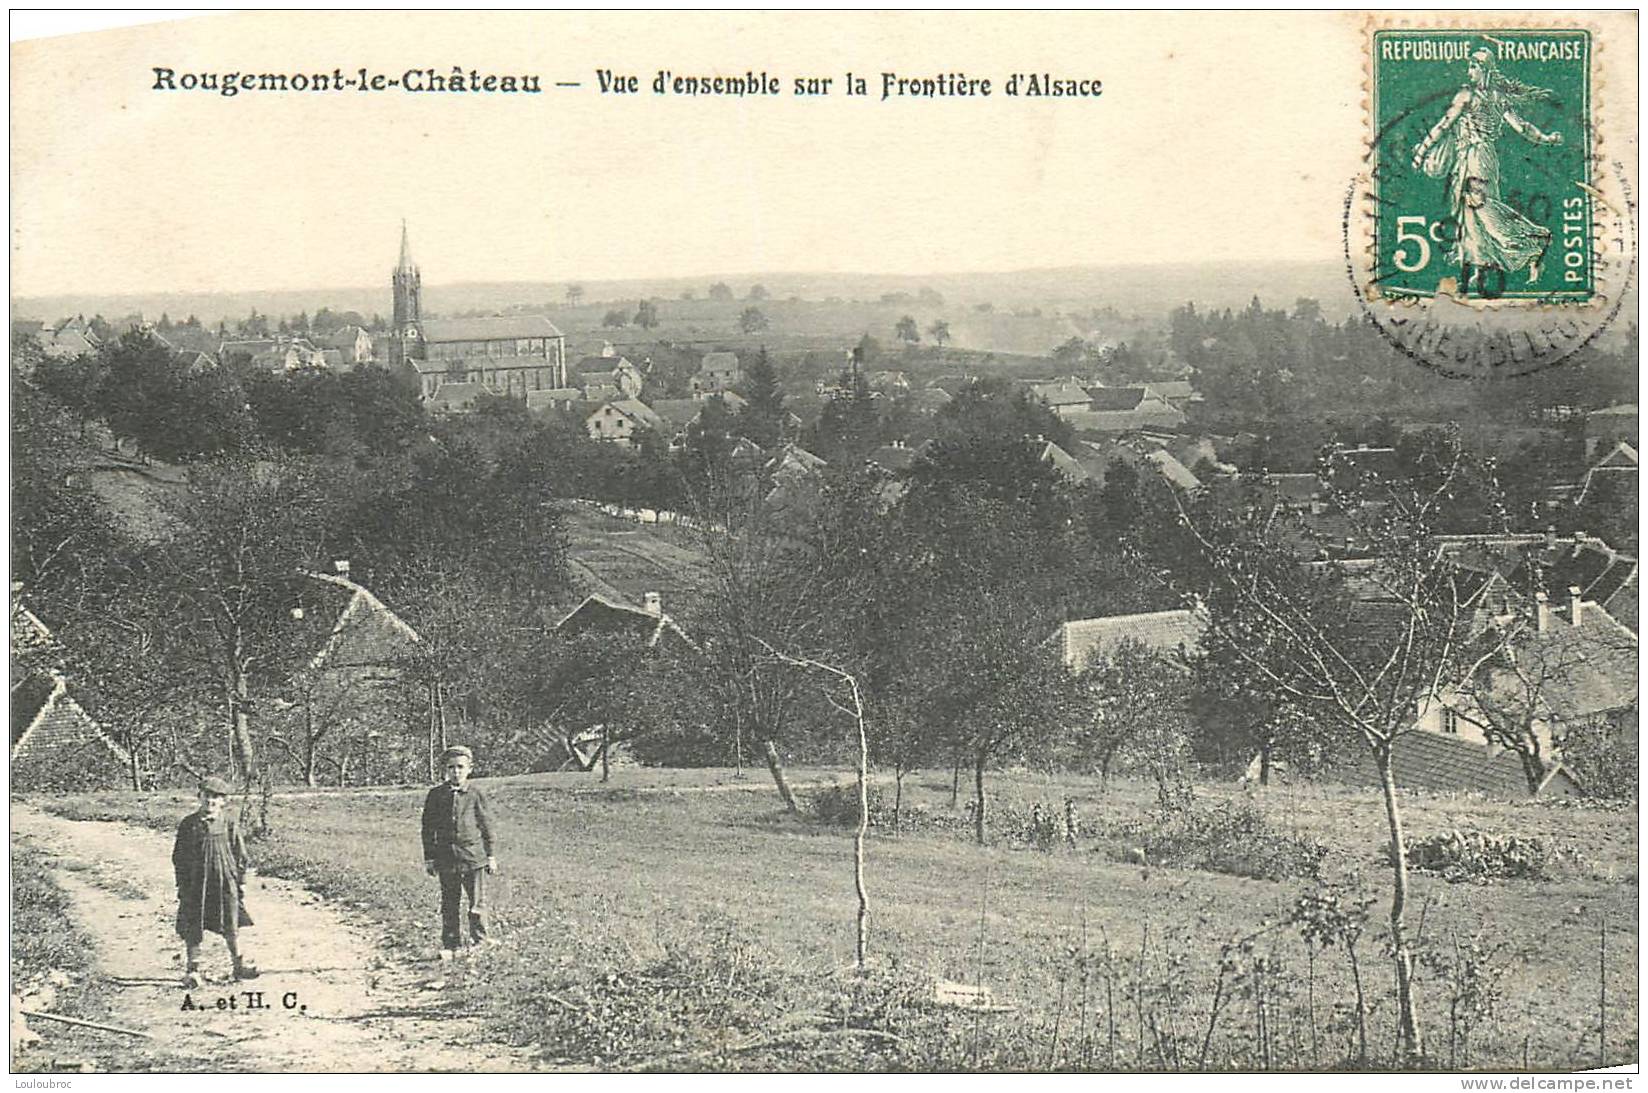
1519 695
1361 665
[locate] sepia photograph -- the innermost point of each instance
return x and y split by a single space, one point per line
823 542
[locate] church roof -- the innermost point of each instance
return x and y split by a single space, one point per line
489 328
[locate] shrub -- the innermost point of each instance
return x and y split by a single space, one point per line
1459 856
1235 838
838 804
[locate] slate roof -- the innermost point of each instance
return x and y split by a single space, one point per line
679 412
1600 572
720 361
1432 761
490 328
1173 632
1588 669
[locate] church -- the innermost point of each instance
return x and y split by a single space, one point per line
506 355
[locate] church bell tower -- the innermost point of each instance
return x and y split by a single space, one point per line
405 330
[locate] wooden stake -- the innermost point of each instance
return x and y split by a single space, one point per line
86 1024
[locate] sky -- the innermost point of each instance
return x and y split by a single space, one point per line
1218 137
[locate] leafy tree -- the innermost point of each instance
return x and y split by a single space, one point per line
574 295
720 291
646 315
906 330
752 320
757 293
939 332
616 317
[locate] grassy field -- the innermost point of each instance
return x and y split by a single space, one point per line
679 920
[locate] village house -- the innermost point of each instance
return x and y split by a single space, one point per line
1064 397
350 708
717 372
353 342
55 745
622 421
608 375
1124 410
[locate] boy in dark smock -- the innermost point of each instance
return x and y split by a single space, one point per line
210 861
458 848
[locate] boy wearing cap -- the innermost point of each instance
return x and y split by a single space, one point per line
458 848
209 859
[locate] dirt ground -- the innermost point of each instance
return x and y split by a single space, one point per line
334 999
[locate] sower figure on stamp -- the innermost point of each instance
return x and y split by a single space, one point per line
210 861
1462 148
458 848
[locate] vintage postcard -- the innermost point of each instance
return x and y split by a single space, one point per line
825 542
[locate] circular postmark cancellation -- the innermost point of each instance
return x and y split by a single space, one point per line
1489 237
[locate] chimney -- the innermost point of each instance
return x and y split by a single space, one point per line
1575 605
341 566
653 604
1542 612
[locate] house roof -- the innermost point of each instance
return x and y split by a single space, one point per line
603 612
634 409
1061 394
719 361
489 328
366 632
1432 761
453 396
1175 472
679 412
1623 409
1066 463
1175 632
1110 399
793 458
1599 572
44 715
1172 389
1580 671
951 385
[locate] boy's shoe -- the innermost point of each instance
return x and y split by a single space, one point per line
193 980
245 969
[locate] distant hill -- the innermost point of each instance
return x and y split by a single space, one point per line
1142 290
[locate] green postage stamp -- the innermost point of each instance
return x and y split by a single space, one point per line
1483 157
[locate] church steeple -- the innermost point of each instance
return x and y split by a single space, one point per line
406 265
405 328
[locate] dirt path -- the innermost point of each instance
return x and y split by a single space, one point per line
355 1009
